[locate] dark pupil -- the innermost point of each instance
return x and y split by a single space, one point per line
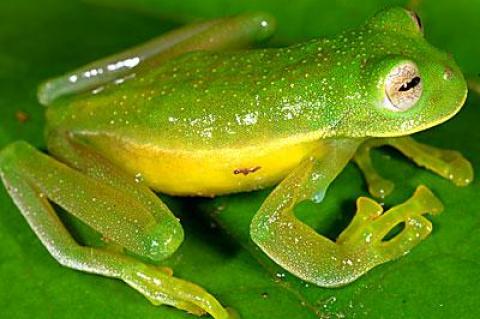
410 84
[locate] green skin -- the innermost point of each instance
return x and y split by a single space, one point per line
327 95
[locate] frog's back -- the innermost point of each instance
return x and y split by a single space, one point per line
224 116
209 99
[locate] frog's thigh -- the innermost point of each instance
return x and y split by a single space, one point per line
114 208
221 34
314 258
446 163
32 179
132 202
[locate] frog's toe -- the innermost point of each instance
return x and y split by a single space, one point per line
416 229
160 287
370 226
459 169
423 201
446 163
380 187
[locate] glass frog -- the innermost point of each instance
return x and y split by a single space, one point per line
196 113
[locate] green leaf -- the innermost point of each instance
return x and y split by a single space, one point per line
438 279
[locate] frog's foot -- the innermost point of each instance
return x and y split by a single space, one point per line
160 287
446 163
364 238
361 247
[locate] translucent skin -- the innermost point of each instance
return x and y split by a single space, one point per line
160 116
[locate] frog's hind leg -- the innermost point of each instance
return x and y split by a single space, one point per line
221 34
446 163
128 215
360 247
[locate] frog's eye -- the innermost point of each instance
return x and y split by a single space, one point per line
403 87
416 20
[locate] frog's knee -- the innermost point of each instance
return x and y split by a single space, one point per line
163 239
263 23
11 153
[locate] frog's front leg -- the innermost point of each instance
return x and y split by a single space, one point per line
111 202
314 258
446 163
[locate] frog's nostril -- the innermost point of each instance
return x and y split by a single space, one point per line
447 74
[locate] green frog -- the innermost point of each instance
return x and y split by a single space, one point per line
196 113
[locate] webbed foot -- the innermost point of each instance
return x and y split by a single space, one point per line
366 233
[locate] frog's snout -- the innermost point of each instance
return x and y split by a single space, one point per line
454 83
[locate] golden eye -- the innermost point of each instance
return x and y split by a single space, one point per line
403 87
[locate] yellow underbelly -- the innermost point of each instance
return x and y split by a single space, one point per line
207 172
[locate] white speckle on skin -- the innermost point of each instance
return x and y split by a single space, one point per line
247 119
129 63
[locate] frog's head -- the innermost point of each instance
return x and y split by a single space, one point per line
410 85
